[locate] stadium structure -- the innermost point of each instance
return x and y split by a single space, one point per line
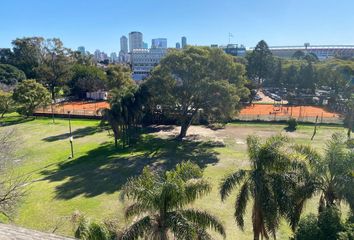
321 51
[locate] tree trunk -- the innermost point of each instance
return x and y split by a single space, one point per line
257 222
186 124
183 132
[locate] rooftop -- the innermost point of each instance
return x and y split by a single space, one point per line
11 232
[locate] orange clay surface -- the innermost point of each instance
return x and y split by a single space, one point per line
82 105
295 111
254 109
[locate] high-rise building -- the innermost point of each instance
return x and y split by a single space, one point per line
145 45
178 45
135 41
97 55
144 60
159 43
113 57
124 44
81 49
184 42
100 56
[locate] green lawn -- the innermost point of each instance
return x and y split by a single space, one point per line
91 181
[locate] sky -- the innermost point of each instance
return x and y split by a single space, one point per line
99 24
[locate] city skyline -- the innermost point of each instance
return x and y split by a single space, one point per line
202 22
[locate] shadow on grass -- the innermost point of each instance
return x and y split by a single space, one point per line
78 133
13 120
105 169
289 129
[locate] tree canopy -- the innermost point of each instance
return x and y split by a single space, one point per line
86 79
274 168
198 79
260 63
160 204
30 95
10 75
55 68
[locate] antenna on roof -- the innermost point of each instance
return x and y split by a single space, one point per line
230 36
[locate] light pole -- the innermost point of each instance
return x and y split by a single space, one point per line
71 138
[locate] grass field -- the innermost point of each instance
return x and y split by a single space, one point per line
91 181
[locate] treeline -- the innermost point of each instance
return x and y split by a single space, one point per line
62 72
302 73
195 83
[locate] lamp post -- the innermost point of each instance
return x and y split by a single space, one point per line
71 138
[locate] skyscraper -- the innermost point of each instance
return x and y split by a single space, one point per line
113 57
145 45
135 41
124 44
159 43
178 45
184 42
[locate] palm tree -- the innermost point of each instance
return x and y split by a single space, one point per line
86 230
125 112
331 173
270 182
159 205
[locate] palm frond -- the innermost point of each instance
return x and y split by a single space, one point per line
82 230
140 188
204 220
196 188
202 234
136 209
240 204
253 146
310 154
138 229
230 181
188 170
180 226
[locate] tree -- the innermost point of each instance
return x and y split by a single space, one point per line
11 185
197 79
308 229
277 78
298 55
83 59
10 75
307 77
160 201
118 76
86 79
6 56
30 95
271 183
291 77
85 229
125 112
349 115
331 173
6 103
27 55
55 68
260 63
327 226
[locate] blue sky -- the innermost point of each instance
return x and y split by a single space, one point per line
98 24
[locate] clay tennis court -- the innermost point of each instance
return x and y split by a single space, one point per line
294 111
267 112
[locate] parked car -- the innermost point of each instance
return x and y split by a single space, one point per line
257 98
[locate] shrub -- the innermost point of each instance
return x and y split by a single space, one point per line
292 124
308 229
